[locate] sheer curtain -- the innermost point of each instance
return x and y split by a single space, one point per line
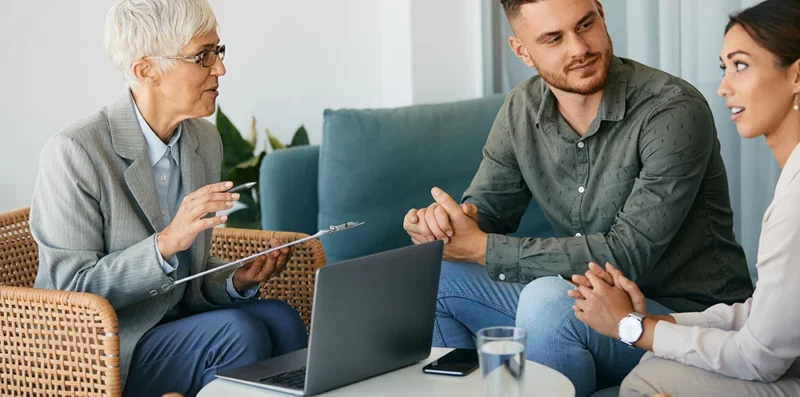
683 38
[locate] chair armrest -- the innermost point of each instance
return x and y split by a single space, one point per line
295 285
58 342
287 189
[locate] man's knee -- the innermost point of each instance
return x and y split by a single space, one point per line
544 300
456 280
458 276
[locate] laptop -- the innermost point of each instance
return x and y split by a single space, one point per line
370 315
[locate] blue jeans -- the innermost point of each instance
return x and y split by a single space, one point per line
184 355
469 300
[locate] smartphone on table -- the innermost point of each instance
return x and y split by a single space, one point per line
458 362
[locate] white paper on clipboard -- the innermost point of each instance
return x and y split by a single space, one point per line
330 230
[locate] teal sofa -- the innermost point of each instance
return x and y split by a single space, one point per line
373 166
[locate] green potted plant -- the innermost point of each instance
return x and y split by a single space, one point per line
241 163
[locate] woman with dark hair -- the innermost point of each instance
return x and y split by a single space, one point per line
751 348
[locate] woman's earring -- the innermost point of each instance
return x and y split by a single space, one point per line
796 102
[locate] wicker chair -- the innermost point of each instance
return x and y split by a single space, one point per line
67 343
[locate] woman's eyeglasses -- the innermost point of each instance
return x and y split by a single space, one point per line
206 58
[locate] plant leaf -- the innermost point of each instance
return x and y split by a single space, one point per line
300 137
246 199
248 217
246 171
253 138
275 142
235 149
245 218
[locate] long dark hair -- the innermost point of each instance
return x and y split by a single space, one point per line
775 26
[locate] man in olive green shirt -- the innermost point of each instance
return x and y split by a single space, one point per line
624 161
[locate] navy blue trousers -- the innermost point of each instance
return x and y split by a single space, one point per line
184 355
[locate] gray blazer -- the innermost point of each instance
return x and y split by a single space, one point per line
95 212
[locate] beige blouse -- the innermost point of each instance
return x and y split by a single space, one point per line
759 339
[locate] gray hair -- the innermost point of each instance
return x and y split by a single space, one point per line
139 28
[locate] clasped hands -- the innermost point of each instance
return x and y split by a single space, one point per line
604 297
456 225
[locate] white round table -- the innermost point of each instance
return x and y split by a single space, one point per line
411 381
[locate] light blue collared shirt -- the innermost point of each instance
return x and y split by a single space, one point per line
165 160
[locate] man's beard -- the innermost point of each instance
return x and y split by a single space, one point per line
596 84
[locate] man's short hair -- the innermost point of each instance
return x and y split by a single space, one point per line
511 7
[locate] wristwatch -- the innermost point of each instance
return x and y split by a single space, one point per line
630 328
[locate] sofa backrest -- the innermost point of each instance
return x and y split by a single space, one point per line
376 164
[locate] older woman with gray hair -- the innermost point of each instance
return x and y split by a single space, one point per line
126 198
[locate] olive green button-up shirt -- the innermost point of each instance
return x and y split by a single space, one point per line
644 189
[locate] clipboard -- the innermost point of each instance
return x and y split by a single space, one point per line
331 230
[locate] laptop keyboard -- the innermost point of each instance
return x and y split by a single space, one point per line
294 379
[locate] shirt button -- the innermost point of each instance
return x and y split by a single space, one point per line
163 177
501 277
581 189
163 212
577 235
581 145
153 293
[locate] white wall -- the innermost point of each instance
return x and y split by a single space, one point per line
446 43
55 72
287 61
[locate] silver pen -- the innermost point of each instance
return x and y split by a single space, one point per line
241 187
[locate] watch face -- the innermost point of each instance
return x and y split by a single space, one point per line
630 329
